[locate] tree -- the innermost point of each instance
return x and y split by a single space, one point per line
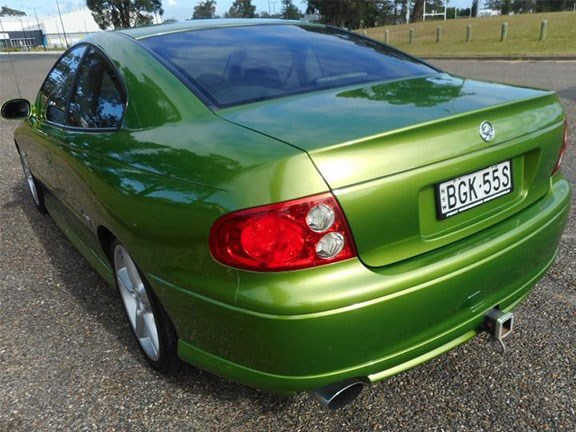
289 11
205 10
528 6
6 11
475 8
242 9
124 13
417 14
504 6
354 14
554 5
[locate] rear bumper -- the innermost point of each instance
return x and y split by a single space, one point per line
424 307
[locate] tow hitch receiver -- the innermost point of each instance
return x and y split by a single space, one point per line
499 324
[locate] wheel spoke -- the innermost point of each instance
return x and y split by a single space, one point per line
132 272
143 295
125 281
152 331
140 326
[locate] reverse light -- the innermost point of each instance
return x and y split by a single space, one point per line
563 149
291 235
320 218
330 245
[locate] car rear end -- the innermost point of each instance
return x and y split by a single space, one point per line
443 202
431 262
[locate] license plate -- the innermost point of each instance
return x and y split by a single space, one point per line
471 190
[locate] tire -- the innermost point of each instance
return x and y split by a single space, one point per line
34 185
148 320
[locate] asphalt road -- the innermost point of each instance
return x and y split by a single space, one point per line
68 361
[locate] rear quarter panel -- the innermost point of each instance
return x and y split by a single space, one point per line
160 182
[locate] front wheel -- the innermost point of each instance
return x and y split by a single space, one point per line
33 185
150 323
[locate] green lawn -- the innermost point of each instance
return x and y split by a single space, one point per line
523 36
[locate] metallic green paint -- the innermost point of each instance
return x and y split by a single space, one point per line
375 321
419 287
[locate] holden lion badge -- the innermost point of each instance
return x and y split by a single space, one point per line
487 131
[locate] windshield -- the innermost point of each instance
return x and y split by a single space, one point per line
236 65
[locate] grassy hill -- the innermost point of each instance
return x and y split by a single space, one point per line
523 36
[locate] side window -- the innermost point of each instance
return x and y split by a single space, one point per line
97 101
56 89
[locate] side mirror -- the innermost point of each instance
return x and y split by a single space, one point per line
16 109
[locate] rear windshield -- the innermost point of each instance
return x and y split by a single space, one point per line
237 65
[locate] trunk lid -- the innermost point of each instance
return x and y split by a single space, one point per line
384 148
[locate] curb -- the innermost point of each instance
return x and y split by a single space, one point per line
506 58
20 53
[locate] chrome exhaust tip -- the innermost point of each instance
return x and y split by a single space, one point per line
337 395
499 324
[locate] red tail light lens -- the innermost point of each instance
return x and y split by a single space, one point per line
292 235
563 149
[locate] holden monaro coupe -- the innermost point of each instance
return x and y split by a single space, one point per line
293 206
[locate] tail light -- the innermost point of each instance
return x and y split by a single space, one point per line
563 149
291 235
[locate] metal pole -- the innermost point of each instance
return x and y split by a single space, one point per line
38 24
62 22
424 14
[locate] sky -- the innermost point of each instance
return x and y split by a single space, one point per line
178 9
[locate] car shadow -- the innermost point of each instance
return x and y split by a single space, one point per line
102 303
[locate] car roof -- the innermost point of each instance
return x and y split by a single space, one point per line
160 29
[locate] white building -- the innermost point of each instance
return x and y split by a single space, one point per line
58 33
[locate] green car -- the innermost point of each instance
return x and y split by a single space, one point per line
294 206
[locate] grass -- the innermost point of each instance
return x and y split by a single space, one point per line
523 36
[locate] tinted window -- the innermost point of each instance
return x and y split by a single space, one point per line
235 65
56 89
97 100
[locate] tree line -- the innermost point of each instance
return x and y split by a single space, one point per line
507 7
206 9
343 13
352 14
8 12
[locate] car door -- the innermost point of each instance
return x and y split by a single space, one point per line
40 144
93 117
